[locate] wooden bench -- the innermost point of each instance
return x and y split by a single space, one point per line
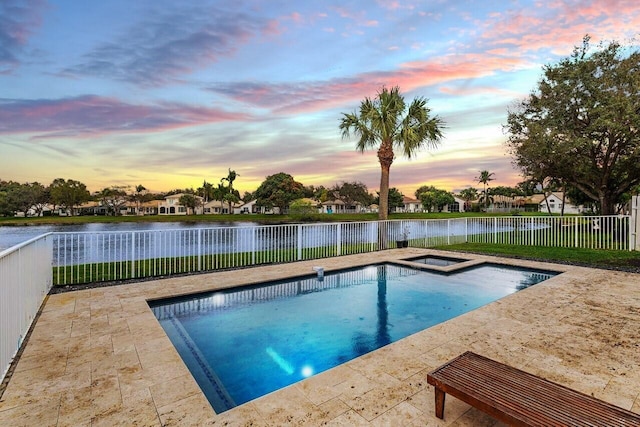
519 398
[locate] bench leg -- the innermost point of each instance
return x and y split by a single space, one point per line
440 395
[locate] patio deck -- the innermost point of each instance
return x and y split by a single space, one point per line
99 357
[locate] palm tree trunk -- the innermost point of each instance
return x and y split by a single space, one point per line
383 209
385 157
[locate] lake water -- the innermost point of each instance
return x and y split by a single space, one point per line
11 236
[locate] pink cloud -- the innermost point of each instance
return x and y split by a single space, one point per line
285 98
18 21
560 25
272 28
94 115
478 90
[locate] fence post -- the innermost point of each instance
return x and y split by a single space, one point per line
200 251
299 242
495 230
133 258
338 239
466 230
448 232
253 245
634 224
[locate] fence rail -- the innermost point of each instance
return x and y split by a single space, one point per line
84 257
25 280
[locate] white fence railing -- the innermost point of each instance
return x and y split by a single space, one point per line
634 224
83 257
25 280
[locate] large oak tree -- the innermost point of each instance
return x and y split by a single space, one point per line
279 191
580 126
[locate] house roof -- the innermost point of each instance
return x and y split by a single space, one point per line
177 196
406 199
220 204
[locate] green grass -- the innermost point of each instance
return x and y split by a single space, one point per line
157 267
597 258
268 219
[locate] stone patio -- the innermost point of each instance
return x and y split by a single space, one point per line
99 357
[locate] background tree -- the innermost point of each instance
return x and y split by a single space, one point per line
486 198
113 198
278 191
387 123
484 178
9 204
247 196
230 178
230 195
501 190
302 209
5 208
350 193
318 193
582 123
468 195
138 196
69 194
189 201
527 187
26 197
206 191
432 197
396 199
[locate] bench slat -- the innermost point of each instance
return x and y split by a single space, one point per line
520 398
533 392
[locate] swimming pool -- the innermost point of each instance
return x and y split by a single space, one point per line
440 261
242 343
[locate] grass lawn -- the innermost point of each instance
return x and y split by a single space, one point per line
259 218
597 258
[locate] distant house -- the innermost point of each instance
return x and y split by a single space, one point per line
172 206
219 207
500 203
247 208
41 210
530 203
555 205
338 206
457 206
145 208
409 205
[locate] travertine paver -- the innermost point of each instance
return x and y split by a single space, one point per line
99 358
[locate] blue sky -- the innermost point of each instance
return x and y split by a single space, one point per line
167 94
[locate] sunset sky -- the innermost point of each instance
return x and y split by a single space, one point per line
169 93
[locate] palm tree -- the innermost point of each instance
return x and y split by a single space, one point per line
468 194
232 195
138 196
484 178
386 123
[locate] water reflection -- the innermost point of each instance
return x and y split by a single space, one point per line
364 343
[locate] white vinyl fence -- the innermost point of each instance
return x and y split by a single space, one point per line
634 224
25 280
82 257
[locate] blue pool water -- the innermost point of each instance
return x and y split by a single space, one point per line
437 260
242 343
